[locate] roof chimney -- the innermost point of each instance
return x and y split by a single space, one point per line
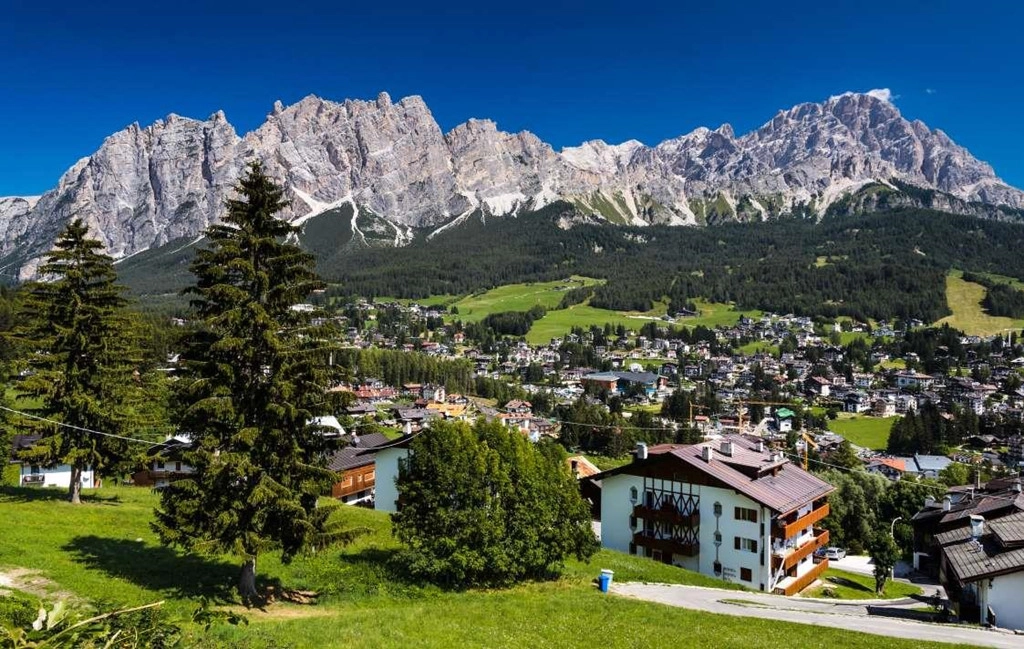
947 502
1017 486
707 453
641 451
759 446
727 448
977 526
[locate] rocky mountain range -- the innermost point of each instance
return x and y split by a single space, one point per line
146 186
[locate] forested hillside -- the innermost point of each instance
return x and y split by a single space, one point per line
880 265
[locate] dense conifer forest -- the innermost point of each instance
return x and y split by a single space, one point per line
880 265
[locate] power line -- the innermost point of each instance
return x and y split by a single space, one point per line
79 428
934 488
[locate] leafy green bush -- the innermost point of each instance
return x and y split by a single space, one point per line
485 506
18 610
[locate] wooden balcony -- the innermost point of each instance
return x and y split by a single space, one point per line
786 559
667 514
793 585
790 530
666 546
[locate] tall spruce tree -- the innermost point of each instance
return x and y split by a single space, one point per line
255 374
80 356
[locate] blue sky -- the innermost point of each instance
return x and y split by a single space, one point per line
72 73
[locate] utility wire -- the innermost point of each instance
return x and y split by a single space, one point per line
935 488
79 428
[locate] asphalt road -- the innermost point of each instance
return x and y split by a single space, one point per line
852 616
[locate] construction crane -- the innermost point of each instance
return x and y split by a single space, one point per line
739 424
808 443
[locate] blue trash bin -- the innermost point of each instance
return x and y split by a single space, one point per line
605 580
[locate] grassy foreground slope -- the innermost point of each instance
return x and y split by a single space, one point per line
104 551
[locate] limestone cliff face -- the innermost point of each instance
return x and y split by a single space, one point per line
147 186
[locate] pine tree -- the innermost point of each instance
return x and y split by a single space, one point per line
255 374
80 356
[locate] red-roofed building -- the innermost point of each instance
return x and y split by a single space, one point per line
891 467
731 509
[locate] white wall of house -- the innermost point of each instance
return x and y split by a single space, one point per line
1004 596
174 466
386 460
57 476
617 507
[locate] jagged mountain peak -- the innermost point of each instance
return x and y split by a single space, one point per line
148 185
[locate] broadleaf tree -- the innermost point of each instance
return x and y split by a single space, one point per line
255 374
884 555
80 358
482 505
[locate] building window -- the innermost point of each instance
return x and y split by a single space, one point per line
746 514
748 545
177 466
746 574
632 522
718 509
632 548
632 495
35 469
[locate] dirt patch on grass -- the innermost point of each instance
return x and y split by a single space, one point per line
33 583
281 612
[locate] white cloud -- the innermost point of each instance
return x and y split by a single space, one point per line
930 91
881 93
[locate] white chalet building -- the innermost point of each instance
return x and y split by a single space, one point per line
730 509
35 475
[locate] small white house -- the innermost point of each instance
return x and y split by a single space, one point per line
166 463
34 475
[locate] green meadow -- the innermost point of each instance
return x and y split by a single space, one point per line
869 432
964 300
103 553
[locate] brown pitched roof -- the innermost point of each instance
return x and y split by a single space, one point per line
1008 529
351 457
780 485
584 467
972 559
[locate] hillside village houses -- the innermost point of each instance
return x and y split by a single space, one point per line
794 362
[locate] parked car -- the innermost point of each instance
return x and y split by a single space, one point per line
834 554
